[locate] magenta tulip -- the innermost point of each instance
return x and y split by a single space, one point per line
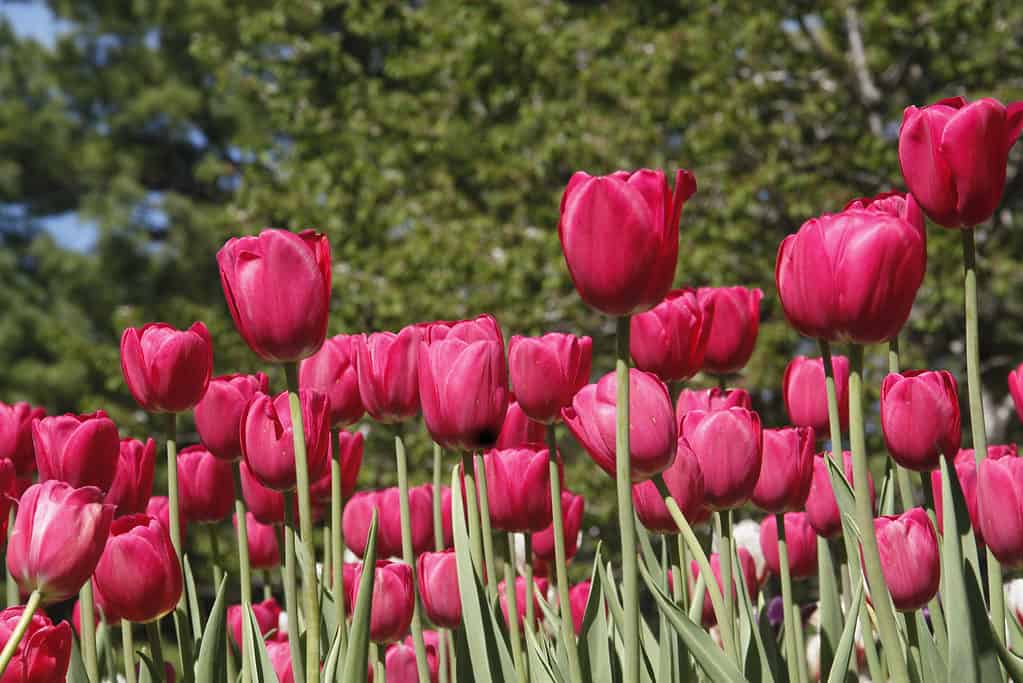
805 395
572 508
728 445
518 429
332 371
786 469
218 415
268 443
279 652
167 370
206 485
267 614
265 503
400 664
670 340
1016 389
920 417
16 435
264 551
685 484
800 542
133 483
359 511
350 450
710 399
138 573
1000 496
546 372
392 601
578 598
81 450
44 653
519 488
8 494
388 373
438 588
747 569
910 558
619 236
521 588
966 472
734 318
821 507
159 507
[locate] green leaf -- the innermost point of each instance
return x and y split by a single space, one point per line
886 496
192 598
762 664
211 664
329 674
847 641
76 668
148 671
594 646
357 656
829 604
255 649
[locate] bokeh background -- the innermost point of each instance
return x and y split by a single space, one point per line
431 140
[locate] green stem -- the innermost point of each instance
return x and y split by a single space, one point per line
626 513
172 483
681 580
936 610
788 611
268 588
305 520
487 531
244 565
88 626
156 649
291 588
128 646
408 555
13 598
727 576
905 484
511 598
438 513
442 655
19 630
218 575
337 548
530 589
472 510
561 561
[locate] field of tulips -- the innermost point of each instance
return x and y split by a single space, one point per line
838 575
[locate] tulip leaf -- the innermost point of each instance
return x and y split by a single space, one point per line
329 674
934 666
183 633
147 670
666 666
1012 662
357 656
762 664
844 648
254 648
594 647
886 497
213 649
76 668
647 552
540 667
829 604
192 598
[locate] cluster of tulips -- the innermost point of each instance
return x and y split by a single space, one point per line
900 591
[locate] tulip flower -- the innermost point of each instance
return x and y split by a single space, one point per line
350 451
388 373
1000 496
853 276
438 588
966 472
578 597
953 156
265 503
619 236
805 395
133 482
207 485
400 664
279 652
267 613
167 370
786 469
332 371
264 552
652 431
920 417
268 443
670 340
710 399
277 287
16 435
218 415
359 512
572 507
800 542
44 653
685 484
159 507
519 488
139 574
748 570
8 491
734 315
546 372
57 538
81 450
821 507
518 429
1016 389
728 445
910 558
392 602
540 585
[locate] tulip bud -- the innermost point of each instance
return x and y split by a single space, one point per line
999 487
438 588
572 507
786 469
910 559
734 315
400 664
518 429
267 614
521 590
1016 389
159 507
966 472
821 507
953 156
359 512
652 431
44 653
388 373
57 538
685 484
350 451
332 372
206 485
578 597
805 393
264 552
619 236
519 488
546 372
392 602
920 417
265 503
728 445
710 399
277 287
268 443
167 370
81 450
800 542
279 652
670 340
16 435
747 570
133 482
218 415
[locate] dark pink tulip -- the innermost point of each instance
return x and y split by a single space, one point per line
520 598
652 430
578 597
277 287
392 602
279 652
268 442
264 552
81 450
400 664
728 445
167 370
619 236
685 484
159 507
133 483
920 417
16 435
267 613
218 416
1016 389
8 494
710 399
438 588
546 372
786 469
57 538
138 573
44 653
821 507
748 570
265 503
350 451
670 340
1000 496
852 276
332 371
388 373
966 472
519 488
206 485
910 558
953 157
481 328
800 541
518 429
572 507
805 393
734 319
359 511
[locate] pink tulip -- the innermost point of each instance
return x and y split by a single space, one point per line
438 588
206 485
920 417
400 664
805 394
728 445
265 503
953 157
800 542
1000 496
734 315
167 370
572 507
277 287
264 552
159 507
710 399
747 569
16 435
359 511
388 372
8 495
1016 389
267 613
279 652
652 431
786 469
392 601
821 507
966 473
670 340
44 653
350 451
81 450
546 372
685 484
218 415
133 483
519 488
332 371
518 429
268 442
619 236
520 598
578 597
910 558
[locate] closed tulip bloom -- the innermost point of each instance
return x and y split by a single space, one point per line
206 485
519 488
438 588
578 597
786 469
392 602
619 236
728 445
332 371
264 552
670 340
685 484
821 507
966 472
359 512
57 538
267 614
953 157
910 558
546 372
44 653
481 328
800 542
852 276
734 317
265 503
521 588
277 287
279 652
350 447
388 373
1016 389
268 443
805 393
16 435
652 431
518 429
218 416
1000 496
920 417
710 399
572 508
748 570
167 370
400 664
159 507
81 450
133 483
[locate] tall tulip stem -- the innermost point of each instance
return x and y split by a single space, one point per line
10 585
530 587
486 529
244 565
156 649
128 647
472 510
174 511
291 585
626 513
88 626
438 513
337 548
408 555
511 598
727 620
901 473
788 609
19 630
561 561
